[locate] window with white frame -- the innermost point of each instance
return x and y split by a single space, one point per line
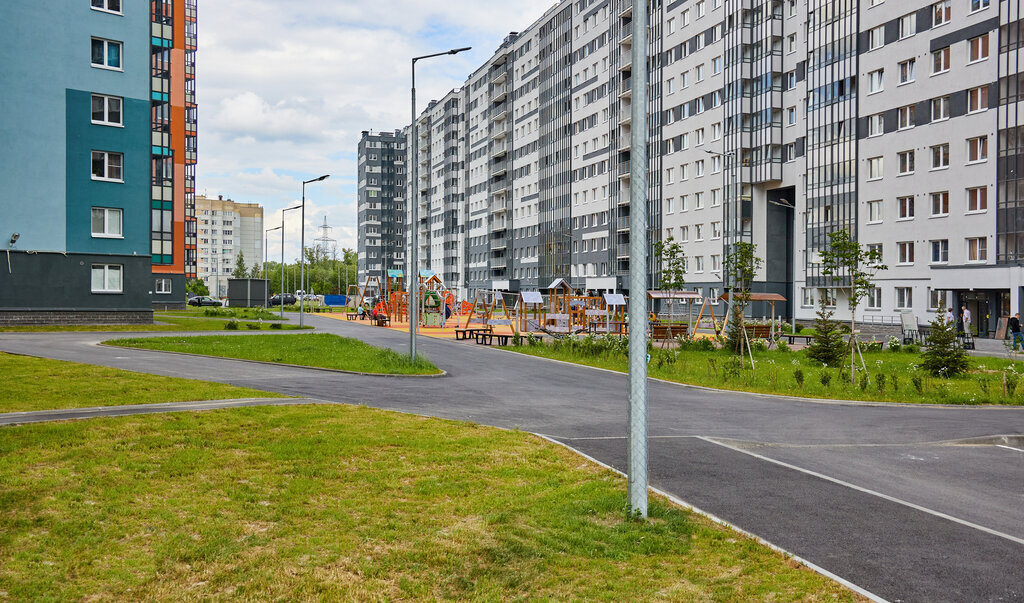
830 296
940 60
977 99
791 116
874 168
716 230
107 278
110 6
905 252
977 5
107 222
977 249
874 299
698 264
875 211
977 149
106 54
876 124
907 71
905 116
876 37
940 251
807 297
908 25
940 156
977 48
906 207
106 110
937 300
107 166
876 81
940 203
977 199
904 298
906 162
942 12
163 286
940 108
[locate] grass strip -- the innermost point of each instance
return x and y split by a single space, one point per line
348 503
894 376
319 350
163 322
42 384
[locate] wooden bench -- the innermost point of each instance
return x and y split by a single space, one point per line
792 338
759 331
488 337
470 332
383 321
662 332
351 315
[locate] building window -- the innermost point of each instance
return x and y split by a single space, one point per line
110 6
904 298
905 250
978 48
908 25
941 12
907 70
940 156
977 199
807 297
937 300
876 37
906 162
106 278
940 108
906 207
874 299
978 5
977 149
906 116
830 297
106 110
977 99
940 203
106 54
940 251
940 60
874 212
874 168
106 222
107 166
876 81
977 249
876 125
163 286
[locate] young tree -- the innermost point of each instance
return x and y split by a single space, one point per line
672 262
852 267
827 346
943 357
742 264
197 287
240 270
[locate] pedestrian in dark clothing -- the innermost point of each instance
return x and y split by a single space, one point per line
1015 331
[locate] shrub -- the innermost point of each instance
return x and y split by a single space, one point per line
912 348
798 375
532 340
895 381
825 378
918 382
873 346
827 346
231 325
880 383
252 326
783 346
758 345
276 326
799 327
944 358
517 340
863 381
697 345
1011 384
895 343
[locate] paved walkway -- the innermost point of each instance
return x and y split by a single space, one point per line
68 414
892 498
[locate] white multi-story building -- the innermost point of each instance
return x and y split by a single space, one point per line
227 229
774 122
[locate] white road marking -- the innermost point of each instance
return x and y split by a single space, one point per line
1009 448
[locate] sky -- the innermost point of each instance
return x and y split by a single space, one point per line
286 88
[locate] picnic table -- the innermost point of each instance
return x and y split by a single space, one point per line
488 337
383 321
351 315
471 332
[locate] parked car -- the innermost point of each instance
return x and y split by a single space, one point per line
204 300
289 299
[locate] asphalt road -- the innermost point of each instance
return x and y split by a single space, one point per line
888 497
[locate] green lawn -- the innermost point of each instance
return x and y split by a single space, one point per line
41 384
319 350
348 503
775 373
239 313
164 322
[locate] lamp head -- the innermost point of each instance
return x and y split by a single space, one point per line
324 177
458 50
14 239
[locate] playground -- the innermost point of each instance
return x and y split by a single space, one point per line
555 312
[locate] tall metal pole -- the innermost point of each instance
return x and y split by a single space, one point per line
412 276
282 265
637 438
302 256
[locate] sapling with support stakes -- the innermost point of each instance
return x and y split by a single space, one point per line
742 264
852 267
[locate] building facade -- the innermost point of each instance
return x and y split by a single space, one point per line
79 164
773 122
227 230
382 207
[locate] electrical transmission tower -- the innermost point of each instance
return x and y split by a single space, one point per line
324 242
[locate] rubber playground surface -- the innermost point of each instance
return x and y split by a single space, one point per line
445 332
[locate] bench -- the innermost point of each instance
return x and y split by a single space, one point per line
792 338
470 332
488 337
383 321
351 315
759 331
661 332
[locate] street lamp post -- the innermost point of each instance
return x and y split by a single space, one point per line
302 254
282 256
413 279
266 245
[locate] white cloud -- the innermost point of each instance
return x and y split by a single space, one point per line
285 88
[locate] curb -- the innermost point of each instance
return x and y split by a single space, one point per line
443 373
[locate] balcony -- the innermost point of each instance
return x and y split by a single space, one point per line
626 89
500 116
624 171
499 77
622 251
627 10
622 223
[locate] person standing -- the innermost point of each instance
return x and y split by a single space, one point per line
965 316
949 316
1015 331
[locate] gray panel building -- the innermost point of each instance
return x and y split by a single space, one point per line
382 208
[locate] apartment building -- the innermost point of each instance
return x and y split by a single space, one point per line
772 122
91 229
382 207
227 230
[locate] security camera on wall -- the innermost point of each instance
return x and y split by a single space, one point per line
14 239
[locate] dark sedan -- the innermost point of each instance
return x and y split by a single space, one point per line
204 300
289 300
